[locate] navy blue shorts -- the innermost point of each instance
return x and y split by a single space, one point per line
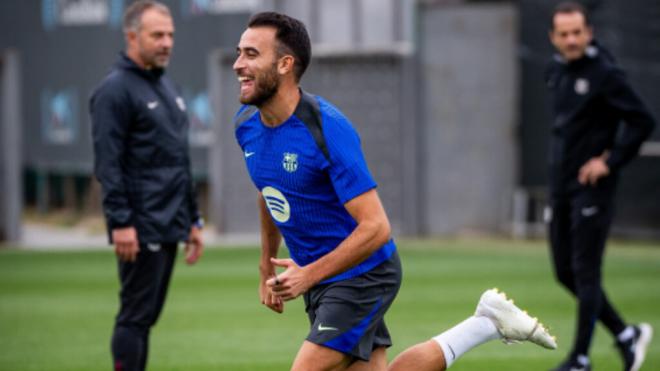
347 315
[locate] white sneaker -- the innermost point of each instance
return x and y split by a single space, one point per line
513 324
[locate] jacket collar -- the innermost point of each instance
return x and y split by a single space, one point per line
591 52
127 63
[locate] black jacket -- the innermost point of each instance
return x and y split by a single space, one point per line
595 110
141 156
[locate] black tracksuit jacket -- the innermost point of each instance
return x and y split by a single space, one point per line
140 136
595 110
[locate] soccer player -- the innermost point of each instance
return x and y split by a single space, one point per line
315 190
590 144
140 132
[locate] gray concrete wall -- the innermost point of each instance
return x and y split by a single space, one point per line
63 61
469 104
352 24
437 128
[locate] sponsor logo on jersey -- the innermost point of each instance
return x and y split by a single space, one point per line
277 204
290 162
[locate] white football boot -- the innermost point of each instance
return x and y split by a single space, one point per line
512 323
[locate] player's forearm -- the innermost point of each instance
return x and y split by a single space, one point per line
367 237
270 240
270 244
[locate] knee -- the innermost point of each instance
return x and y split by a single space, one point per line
130 330
587 276
313 357
587 284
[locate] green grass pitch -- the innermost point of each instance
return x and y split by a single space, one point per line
56 308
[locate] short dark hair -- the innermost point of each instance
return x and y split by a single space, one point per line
569 7
291 35
133 14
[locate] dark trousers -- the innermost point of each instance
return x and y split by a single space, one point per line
578 232
144 285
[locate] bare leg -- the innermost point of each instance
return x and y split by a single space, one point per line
313 357
377 362
425 356
496 317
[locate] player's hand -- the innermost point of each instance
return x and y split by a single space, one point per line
268 299
593 170
126 243
194 246
291 283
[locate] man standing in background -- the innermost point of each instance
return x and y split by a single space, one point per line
140 136
599 125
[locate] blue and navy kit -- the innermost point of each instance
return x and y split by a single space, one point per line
307 168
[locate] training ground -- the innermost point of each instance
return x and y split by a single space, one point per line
57 307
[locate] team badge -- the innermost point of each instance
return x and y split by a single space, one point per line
582 86
290 162
181 103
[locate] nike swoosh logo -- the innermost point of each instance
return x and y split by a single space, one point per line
248 154
152 105
589 211
325 328
153 247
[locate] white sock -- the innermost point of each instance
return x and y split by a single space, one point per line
583 359
626 334
466 335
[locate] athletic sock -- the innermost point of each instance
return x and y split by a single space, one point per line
583 360
465 336
626 334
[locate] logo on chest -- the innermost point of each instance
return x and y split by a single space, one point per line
277 204
290 162
582 86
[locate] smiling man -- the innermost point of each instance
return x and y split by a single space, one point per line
599 125
140 133
316 191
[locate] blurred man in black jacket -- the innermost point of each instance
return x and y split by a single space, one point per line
140 133
599 125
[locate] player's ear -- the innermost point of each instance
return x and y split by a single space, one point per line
285 64
590 32
130 37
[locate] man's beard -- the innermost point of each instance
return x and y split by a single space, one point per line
265 88
153 60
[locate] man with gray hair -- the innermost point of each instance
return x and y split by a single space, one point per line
140 136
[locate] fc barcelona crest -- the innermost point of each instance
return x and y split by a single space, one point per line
290 162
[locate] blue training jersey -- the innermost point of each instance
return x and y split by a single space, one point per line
305 181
